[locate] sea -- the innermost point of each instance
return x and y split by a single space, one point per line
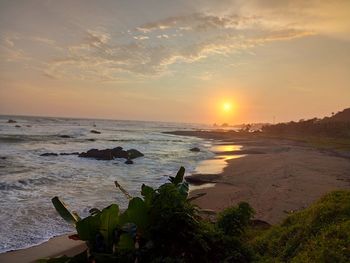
28 180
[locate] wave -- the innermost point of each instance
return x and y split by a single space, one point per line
23 184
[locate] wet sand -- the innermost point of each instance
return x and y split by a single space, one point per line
276 177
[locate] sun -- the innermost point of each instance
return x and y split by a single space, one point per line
227 106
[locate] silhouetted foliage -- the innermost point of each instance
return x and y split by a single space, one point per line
337 126
162 226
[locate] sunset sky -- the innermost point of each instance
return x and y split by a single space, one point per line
175 60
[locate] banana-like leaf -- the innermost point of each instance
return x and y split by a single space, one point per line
148 193
126 242
136 213
183 189
179 176
109 220
61 208
88 228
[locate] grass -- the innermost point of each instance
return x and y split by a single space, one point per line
320 233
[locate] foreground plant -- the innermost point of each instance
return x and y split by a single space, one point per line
162 226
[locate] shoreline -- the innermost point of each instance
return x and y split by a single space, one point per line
54 247
275 176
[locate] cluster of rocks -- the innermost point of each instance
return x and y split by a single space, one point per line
105 154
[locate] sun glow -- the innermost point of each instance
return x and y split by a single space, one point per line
227 107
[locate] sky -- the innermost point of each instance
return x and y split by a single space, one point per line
175 60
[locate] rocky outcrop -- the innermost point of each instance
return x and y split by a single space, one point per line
49 154
105 154
195 149
11 121
95 132
110 154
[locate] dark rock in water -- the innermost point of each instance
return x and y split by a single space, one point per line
65 136
91 140
18 126
49 154
3 158
96 132
118 152
133 153
195 149
109 154
98 154
11 121
29 126
74 153
129 161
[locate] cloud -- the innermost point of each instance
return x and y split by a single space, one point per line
197 21
103 55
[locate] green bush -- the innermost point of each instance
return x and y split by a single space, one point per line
320 233
162 226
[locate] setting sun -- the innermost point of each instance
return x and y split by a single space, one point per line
227 106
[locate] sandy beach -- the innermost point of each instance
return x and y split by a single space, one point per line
276 177
57 246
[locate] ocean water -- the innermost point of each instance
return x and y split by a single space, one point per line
28 181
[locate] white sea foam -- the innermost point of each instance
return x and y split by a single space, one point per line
28 181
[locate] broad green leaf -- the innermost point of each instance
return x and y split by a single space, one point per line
88 228
137 213
109 220
148 193
61 208
179 176
126 242
183 189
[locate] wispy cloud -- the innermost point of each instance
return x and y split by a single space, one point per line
100 54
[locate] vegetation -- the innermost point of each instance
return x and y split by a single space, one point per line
162 226
320 233
330 132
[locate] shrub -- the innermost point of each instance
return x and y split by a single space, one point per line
320 233
162 226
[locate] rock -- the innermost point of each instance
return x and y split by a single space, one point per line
109 154
195 149
129 161
118 152
73 153
91 140
98 154
49 154
11 121
95 132
133 153
18 126
65 136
